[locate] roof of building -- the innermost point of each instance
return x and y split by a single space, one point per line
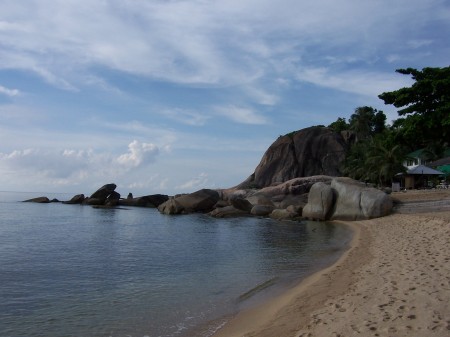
422 153
445 169
422 169
440 162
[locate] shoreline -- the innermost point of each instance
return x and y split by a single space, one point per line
276 314
394 280
276 290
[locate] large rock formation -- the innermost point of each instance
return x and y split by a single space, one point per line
320 202
100 196
308 152
200 201
346 199
355 201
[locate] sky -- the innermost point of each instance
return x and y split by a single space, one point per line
171 96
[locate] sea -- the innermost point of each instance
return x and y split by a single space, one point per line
79 271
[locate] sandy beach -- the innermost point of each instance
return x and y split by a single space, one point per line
393 281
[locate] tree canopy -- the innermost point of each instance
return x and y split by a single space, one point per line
425 105
424 123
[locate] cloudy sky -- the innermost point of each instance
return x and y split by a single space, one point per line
170 96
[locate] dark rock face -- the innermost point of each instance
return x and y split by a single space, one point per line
145 201
112 199
77 199
100 196
228 212
201 201
308 152
241 204
39 200
103 192
262 210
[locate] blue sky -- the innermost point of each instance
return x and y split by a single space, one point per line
173 96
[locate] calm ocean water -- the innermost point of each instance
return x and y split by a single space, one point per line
70 270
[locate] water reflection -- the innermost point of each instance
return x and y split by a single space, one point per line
109 272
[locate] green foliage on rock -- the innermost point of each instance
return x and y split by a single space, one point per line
340 125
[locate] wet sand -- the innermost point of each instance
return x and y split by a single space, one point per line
393 281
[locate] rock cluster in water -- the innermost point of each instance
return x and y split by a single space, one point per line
315 198
296 179
106 196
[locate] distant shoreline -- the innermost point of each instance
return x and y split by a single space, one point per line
382 285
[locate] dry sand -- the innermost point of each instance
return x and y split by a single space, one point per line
393 281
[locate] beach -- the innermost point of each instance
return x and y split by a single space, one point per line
394 280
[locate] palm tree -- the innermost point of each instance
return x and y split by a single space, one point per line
355 162
361 122
384 161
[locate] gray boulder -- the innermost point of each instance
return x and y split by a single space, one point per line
242 204
39 200
355 201
283 214
296 186
104 191
77 199
171 207
320 202
262 210
200 201
260 199
297 210
153 200
228 212
293 200
99 197
94 201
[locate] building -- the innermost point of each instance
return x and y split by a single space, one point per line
423 173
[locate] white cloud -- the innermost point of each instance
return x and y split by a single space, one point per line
8 92
241 115
198 42
359 82
415 44
186 116
201 181
261 96
127 64
73 166
138 154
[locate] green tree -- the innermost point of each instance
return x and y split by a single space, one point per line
355 162
384 160
361 122
377 159
425 105
366 122
434 151
378 122
339 125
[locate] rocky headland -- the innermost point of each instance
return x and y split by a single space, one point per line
297 178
